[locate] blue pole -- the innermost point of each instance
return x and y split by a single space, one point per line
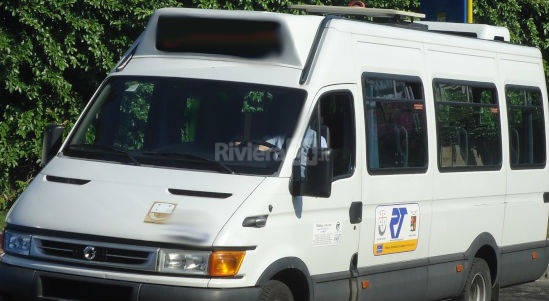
465 12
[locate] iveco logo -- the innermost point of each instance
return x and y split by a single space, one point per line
89 253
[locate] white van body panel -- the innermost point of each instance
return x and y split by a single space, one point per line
223 70
120 197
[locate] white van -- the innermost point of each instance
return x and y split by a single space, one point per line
239 155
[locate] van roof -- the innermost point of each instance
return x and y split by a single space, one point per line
300 33
296 32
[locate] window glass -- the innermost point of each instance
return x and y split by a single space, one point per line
337 132
189 123
526 127
396 124
468 126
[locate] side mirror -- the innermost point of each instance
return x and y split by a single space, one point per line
318 174
53 137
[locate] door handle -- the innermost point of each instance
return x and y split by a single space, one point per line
546 197
355 213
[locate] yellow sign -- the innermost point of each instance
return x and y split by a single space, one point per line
395 247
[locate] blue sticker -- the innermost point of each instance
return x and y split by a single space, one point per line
380 248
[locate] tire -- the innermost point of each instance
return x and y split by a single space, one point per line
274 290
479 283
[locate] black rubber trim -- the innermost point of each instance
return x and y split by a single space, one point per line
519 267
202 194
126 241
546 197
525 246
18 282
411 264
67 180
391 267
447 258
287 263
331 277
314 48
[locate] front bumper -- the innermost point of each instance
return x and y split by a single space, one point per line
27 284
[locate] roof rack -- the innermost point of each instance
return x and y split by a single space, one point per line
479 31
358 11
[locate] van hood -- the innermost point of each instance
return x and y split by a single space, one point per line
118 198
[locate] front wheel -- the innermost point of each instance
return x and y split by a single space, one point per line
274 290
478 286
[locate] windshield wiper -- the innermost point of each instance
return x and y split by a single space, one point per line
190 157
103 148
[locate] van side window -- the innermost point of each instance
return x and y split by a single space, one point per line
337 132
468 126
526 127
396 130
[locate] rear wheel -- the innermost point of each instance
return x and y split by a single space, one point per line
274 290
478 286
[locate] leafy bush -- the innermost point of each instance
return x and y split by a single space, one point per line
55 53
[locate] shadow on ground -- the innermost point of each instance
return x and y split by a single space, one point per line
536 291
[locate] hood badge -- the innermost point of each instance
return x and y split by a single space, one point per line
89 253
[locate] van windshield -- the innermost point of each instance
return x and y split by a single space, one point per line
187 123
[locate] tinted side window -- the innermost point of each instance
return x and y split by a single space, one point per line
337 132
468 126
396 130
526 127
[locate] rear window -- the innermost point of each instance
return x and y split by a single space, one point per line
234 37
526 127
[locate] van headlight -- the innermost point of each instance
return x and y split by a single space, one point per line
184 262
214 264
17 243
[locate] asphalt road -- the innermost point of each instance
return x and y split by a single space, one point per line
536 291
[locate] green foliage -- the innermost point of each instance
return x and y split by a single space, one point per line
254 101
527 20
55 53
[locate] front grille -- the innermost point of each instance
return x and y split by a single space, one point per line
105 254
76 251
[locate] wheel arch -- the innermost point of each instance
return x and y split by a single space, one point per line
285 269
485 247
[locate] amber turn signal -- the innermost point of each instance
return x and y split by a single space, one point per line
226 263
535 255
